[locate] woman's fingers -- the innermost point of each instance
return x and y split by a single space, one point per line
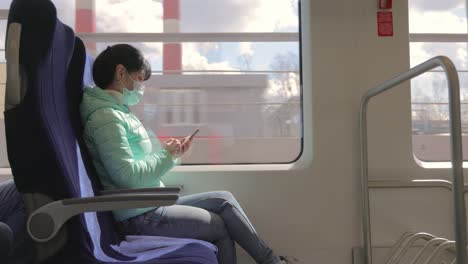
178 146
173 146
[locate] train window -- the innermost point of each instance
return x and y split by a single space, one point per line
229 68
437 28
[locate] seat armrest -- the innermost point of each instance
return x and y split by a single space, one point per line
157 190
45 222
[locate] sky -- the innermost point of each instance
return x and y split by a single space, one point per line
197 16
434 16
201 16
425 16
204 16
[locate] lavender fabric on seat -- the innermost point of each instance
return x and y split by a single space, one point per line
47 154
88 72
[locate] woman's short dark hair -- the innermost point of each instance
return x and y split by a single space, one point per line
130 57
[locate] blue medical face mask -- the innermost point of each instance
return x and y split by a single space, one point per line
132 97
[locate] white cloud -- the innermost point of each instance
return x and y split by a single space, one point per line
205 47
197 15
462 55
126 16
418 53
433 86
434 5
436 22
238 15
431 16
421 52
273 15
193 60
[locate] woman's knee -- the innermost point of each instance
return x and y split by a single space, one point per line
188 221
225 195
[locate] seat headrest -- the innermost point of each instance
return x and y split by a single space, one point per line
38 18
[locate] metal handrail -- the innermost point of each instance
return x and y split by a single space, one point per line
396 247
409 243
389 184
427 247
442 247
456 144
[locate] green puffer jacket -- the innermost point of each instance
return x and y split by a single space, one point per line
125 154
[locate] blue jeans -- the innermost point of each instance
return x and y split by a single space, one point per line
215 217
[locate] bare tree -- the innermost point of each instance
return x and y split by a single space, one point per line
285 69
245 61
430 111
284 89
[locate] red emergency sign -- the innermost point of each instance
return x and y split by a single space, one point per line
385 24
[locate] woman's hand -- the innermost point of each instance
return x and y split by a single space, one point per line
173 146
177 147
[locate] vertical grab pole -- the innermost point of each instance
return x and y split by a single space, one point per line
456 149
457 159
366 226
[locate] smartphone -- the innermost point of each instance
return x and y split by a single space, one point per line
193 134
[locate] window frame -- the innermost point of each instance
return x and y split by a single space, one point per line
210 37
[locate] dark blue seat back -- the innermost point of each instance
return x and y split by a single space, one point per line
42 140
37 31
44 143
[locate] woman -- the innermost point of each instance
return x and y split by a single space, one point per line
126 155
